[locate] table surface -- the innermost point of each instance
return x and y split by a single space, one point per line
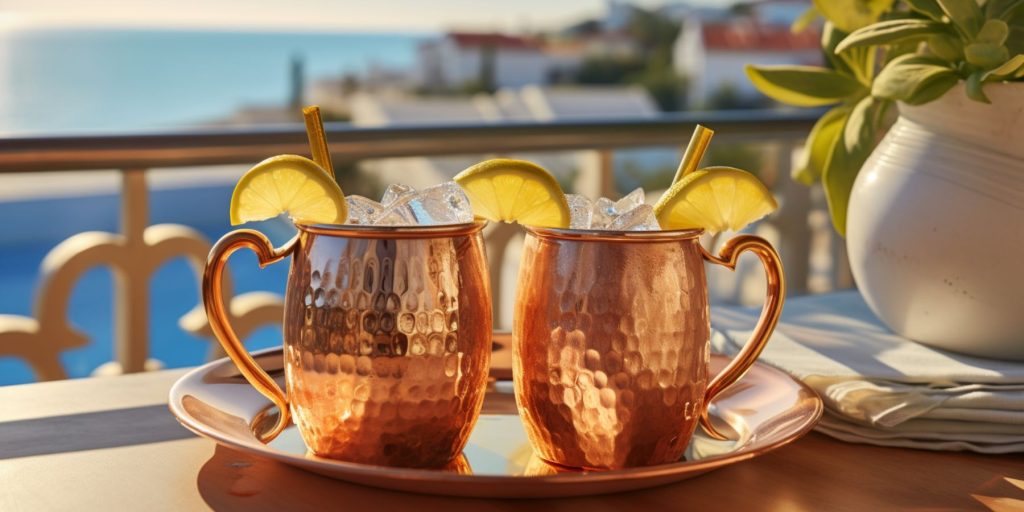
95 443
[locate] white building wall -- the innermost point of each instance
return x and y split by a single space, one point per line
689 58
458 64
707 70
515 68
729 67
448 65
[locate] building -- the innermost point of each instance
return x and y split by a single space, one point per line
713 55
580 103
528 103
461 59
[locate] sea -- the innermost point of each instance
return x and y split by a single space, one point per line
62 81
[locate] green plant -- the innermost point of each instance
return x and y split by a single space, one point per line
878 52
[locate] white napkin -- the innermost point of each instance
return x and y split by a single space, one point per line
882 389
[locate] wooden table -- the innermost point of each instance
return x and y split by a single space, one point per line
110 443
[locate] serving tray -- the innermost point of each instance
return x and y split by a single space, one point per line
764 411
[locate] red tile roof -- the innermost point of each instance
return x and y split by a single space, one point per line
472 39
751 37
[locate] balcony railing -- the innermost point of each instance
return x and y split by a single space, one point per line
139 249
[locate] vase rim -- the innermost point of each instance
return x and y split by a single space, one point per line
997 126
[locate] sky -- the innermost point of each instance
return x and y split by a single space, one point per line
379 15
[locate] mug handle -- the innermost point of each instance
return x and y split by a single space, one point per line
774 297
216 313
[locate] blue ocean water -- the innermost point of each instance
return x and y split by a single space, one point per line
78 80
90 81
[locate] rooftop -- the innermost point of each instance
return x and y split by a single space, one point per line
495 40
756 37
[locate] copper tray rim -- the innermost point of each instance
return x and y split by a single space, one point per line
329 467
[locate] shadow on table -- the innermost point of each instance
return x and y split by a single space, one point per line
808 475
89 431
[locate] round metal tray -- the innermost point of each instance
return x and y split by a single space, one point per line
764 411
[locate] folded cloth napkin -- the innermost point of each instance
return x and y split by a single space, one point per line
880 388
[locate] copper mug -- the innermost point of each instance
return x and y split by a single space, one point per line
387 338
612 337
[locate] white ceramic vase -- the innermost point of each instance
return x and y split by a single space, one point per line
935 227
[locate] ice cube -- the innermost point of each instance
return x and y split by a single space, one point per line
581 210
629 201
362 210
603 213
446 203
397 212
640 218
393 192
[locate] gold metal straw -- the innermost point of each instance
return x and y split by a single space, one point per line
694 151
317 138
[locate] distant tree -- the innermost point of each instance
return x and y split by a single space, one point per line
632 174
652 68
608 70
725 97
728 97
296 82
488 56
746 156
742 9
656 35
584 28
665 86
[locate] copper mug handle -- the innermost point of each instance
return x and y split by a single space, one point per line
216 313
774 297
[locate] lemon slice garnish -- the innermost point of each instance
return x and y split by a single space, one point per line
515 191
288 184
716 199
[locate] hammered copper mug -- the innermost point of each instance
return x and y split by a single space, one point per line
387 338
612 338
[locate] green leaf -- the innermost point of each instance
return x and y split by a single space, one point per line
860 128
892 31
974 89
1012 68
804 86
965 14
801 23
929 8
914 79
993 32
947 48
862 62
1002 9
1015 42
933 90
830 38
820 143
986 55
849 15
859 63
840 172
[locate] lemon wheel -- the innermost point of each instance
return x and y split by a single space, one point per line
716 199
288 184
515 191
